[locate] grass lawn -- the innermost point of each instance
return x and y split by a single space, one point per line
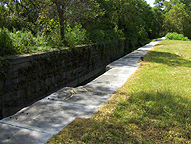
153 106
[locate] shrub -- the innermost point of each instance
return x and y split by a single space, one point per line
22 40
6 43
175 36
76 35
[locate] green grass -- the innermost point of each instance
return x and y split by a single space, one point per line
153 106
35 49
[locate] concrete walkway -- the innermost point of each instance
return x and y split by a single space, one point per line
39 122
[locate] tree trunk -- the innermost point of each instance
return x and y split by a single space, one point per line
60 11
61 21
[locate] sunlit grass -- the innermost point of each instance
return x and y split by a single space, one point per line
153 106
38 49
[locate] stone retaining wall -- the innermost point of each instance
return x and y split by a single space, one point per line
26 79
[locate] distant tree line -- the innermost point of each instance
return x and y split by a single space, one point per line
72 22
177 16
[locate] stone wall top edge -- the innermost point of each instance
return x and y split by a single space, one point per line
28 57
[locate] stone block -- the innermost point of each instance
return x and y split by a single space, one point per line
58 78
13 73
12 87
38 85
1 85
20 93
8 82
20 65
54 82
48 82
9 97
16 80
51 89
29 90
20 59
68 74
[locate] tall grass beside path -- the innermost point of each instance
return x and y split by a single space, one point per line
153 106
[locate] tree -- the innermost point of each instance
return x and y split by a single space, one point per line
108 19
157 22
3 15
133 17
159 3
177 20
21 13
74 11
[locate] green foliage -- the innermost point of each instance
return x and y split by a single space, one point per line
49 27
6 43
157 23
16 22
23 40
177 20
56 24
175 36
100 36
96 36
76 35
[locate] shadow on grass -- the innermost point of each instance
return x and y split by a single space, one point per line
163 106
154 117
168 59
91 131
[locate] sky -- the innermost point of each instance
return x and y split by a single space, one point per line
150 2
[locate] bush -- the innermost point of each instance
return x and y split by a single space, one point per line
75 36
175 36
22 40
6 43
